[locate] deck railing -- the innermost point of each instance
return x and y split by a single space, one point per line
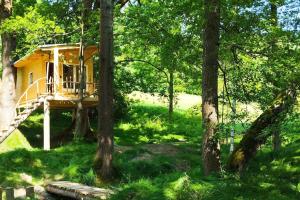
38 88
72 87
25 97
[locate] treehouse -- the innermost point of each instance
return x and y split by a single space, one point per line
53 71
50 77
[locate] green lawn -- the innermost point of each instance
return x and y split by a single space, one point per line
154 159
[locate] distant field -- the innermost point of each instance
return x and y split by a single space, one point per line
182 101
186 101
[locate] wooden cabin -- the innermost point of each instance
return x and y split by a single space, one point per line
53 70
50 77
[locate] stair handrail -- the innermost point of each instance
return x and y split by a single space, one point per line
35 83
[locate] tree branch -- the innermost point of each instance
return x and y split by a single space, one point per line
147 62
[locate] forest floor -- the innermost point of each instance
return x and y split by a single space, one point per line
154 159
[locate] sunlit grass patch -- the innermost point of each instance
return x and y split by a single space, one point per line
150 124
15 140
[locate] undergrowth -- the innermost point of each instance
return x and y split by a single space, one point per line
172 173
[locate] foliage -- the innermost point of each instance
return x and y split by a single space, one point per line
152 40
31 29
121 105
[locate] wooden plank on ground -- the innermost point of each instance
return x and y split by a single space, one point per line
77 191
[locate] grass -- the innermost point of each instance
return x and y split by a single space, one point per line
150 124
155 159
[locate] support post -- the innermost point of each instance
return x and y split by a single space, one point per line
1 191
46 125
9 193
30 191
56 70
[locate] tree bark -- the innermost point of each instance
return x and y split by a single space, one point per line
104 157
8 84
253 137
210 146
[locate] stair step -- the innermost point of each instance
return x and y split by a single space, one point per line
14 123
19 116
28 110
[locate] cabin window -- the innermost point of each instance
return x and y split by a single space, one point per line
68 76
71 76
30 78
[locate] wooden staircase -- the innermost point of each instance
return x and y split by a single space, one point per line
24 113
24 108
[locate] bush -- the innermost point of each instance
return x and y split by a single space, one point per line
121 105
195 110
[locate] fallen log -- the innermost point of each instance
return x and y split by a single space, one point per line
253 137
77 191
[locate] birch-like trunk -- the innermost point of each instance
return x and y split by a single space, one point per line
274 22
171 94
82 125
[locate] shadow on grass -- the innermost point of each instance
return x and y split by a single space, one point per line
23 167
144 124
60 120
266 178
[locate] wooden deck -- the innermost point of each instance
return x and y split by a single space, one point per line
77 191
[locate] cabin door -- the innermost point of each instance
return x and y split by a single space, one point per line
50 76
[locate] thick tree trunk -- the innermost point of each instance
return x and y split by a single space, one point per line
104 157
171 94
210 146
253 137
8 84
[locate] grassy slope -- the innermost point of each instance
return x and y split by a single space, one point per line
158 176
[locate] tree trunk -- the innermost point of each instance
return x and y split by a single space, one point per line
253 137
79 111
274 23
81 122
232 132
210 146
171 94
8 84
276 138
104 157
85 126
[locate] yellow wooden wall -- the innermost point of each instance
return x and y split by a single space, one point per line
38 67
39 71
